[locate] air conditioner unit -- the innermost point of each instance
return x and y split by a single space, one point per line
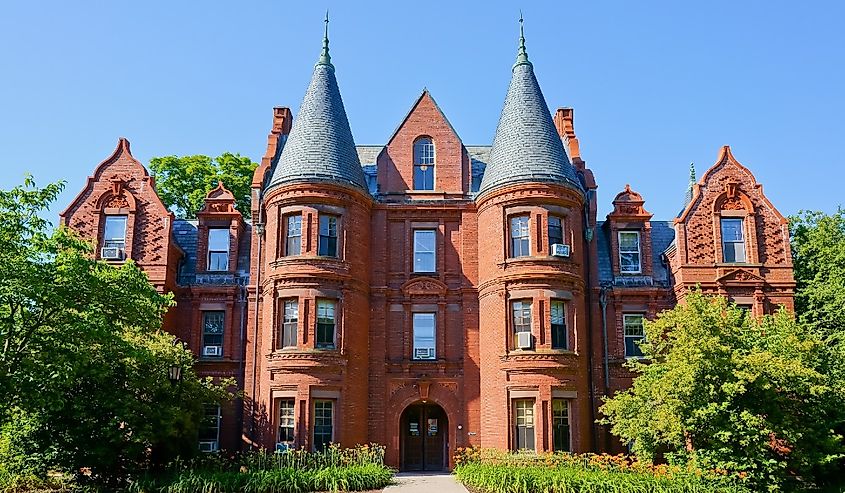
559 250
424 353
282 447
208 446
523 340
111 253
212 351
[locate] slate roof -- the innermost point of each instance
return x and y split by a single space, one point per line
662 236
527 146
320 145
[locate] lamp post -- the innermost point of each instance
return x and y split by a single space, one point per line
174 374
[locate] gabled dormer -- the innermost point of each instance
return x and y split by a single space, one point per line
219 230
424 157
630 235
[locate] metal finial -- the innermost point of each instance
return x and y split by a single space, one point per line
325 59
691 173
522 54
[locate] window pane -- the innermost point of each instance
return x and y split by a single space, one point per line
325 323
732 230
634 332
294 235
290 323
424 254
115 229
519 236
555 231
287 420
210 425
212 332
524 424
218 239
323 425
733 240
424 151
629 251
218 261
558 319
424 335
328 236
560 424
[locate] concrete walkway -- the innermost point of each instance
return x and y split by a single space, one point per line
440 482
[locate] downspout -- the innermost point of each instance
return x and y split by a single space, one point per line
603 302
244 297
259 230
588 238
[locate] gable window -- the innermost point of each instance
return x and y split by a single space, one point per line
629 252
293 241
327 245
325 324
733 240
290 323
323 424
424 164
558 316
212 334
523 415
424 253
555 231
114 237
521 313
218 249
519 236
286 421
209 434
633 326
424 331
560 425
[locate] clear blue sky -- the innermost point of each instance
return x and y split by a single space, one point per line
654 85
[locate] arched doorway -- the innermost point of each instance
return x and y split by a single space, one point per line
424 438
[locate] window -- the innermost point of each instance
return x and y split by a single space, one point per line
633 327
293 244
323 428
210 428
519 236
424 256
555 231
521 319
328 236
114 233
325 324
558 316
560 425
290 323
218 248
424 164
424 336
629 252
212 334
286 421
523 413
733 240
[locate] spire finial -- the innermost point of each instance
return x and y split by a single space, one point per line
325 59
691 174
522 54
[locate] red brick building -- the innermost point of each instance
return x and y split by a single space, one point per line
424 294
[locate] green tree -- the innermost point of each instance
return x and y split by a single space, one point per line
726 390
183 182
83 360
818 253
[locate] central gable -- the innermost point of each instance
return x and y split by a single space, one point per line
451 162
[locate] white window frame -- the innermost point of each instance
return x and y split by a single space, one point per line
638 252
626 336
204 314
217 426
568 406
291 417
210 251
517 225
333 403
432 349
432 254
322 310
744 250
117 242
293 322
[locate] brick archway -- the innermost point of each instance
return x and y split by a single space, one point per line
416 393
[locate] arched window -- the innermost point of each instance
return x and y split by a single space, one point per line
424 164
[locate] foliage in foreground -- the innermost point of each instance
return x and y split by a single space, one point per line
500 472
335 469
721 389
182 182
83 360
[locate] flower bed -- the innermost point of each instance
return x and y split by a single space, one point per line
296 471
501 472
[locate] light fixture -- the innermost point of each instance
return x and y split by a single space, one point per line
174 373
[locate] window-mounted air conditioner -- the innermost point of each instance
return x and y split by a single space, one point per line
111 253
210 446
559 250
212 351
523 340
282 447
424 353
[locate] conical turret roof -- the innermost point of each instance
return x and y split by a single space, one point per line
527 147
320 146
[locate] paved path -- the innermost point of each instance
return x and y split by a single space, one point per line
425 483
